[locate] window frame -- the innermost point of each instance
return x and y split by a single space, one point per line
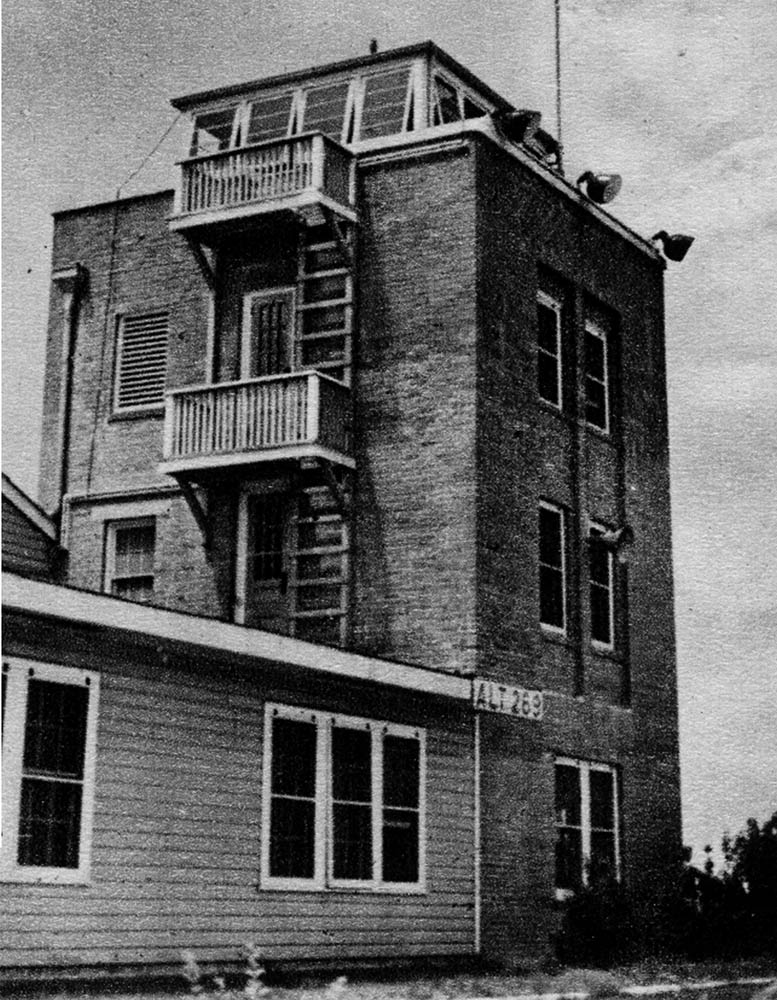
109 572
155 406
323 879
585 768
596 329
595 530
549 627
557 306
18 672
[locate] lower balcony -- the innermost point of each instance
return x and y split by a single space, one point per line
270 419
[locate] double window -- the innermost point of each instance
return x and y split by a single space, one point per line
343 802
129 558
552 557
141 362
595 363
587 824
49 725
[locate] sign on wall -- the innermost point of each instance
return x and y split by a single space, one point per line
490 696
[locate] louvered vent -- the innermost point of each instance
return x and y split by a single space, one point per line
142 362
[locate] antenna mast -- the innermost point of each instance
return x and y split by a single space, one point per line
558 87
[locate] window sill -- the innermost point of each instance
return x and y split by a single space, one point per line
148 413
549 634
45 876
390 889
600 432
606 652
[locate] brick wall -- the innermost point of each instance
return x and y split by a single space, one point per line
415 405
133 265
528 452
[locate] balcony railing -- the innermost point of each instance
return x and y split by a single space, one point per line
295 172
263 419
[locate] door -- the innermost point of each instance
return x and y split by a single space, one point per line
262 591
267 346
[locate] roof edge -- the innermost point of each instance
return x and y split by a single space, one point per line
29 508
85 607
427 48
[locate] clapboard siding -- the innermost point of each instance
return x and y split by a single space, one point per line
177 827
26 549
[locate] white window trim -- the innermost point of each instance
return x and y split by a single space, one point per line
323 858
598 331
111 527
546 626
595 529
585 767
18 674
551 303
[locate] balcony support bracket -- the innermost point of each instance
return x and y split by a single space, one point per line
339 235
335 487
201 514
206 265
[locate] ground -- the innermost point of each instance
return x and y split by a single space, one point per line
755 980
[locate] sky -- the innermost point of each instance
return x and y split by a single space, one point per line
678 96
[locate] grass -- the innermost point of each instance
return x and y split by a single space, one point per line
595 982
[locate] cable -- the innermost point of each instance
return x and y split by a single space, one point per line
109 297
162 138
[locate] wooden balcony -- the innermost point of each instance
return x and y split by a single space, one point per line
270 419
302 174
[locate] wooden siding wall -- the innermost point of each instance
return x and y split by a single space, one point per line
175 859
26 550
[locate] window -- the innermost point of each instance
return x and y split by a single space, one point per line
49 736
141 361
552 568
587 826
325 109
451 104
384 103
129 559
549 341
344 802
596 379
600 560
212 131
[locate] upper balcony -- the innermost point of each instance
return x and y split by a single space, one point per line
259 420
300 173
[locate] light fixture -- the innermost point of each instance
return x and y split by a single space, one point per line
675 246
520 126
600 188
617 541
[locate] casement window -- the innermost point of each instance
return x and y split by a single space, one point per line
129 558
549 348
141 361
601 589
213 131
587 824
596 376
49 716
343 802
552 568
451 103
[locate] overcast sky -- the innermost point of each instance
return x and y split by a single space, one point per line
679 96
